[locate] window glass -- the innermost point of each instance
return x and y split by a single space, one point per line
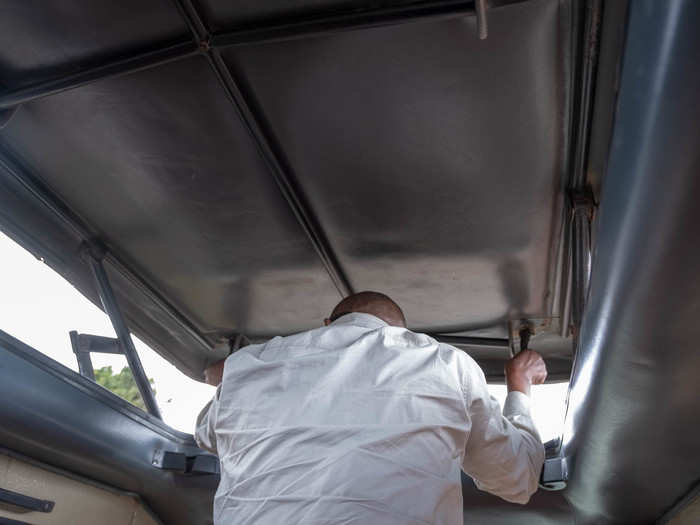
113 373
40 308
548 407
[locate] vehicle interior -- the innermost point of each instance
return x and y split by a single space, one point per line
514 173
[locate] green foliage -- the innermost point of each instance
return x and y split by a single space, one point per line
122 384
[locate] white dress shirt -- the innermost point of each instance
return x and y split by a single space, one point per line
362 423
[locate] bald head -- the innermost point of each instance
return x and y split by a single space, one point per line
373 303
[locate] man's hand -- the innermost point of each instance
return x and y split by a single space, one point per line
214 373
525 369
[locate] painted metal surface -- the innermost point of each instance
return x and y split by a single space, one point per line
392 137
633 416
39 42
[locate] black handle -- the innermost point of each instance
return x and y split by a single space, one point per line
26 502
183 464
8 521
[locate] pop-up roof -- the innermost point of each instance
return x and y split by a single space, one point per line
245 165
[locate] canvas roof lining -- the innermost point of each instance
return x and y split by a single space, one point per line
261 315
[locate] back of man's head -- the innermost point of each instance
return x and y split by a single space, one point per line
373 303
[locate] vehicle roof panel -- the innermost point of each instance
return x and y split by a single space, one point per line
432 158
39 40
160 165
242 181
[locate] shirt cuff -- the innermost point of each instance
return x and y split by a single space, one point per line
517 404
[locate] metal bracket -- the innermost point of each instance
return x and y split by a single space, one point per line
84 344
555 471
583 202
522 331
237 342
97 343
525 331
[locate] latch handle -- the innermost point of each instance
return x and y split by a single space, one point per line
25 502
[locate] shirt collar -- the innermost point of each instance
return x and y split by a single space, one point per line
360 319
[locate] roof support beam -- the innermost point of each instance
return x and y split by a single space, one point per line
352 21
117 68
490 342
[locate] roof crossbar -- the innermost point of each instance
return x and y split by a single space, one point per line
491 342
124 66
356 20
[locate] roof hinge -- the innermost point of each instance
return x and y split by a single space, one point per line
582 201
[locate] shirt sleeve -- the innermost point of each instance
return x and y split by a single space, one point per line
205 431
504 454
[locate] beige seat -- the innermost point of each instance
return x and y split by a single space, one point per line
76 501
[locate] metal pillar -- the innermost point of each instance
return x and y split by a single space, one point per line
109 302
582 201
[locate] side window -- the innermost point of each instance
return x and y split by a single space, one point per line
121 383
40 308
548 406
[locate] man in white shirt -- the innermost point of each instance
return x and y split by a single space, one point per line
365 422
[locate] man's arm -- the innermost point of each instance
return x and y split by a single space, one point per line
504 453
205 434
213 374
